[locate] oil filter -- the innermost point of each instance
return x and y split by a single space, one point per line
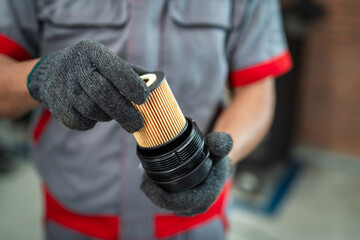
170 146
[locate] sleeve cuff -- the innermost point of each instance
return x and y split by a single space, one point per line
275 66
12 49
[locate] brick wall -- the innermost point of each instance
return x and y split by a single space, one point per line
329 99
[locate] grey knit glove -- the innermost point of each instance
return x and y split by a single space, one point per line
86 83
198 199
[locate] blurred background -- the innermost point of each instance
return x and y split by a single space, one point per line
303 181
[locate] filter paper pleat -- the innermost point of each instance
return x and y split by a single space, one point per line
163 119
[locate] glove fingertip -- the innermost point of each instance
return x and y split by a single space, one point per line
138 93
142 94
144 186
133 121
151 190
220 143
81 125
132 127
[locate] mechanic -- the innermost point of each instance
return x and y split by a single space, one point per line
71 61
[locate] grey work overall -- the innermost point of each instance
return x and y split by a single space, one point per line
92 178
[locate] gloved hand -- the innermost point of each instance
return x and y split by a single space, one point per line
198 199
86 83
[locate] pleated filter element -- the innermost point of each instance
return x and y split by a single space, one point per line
163 118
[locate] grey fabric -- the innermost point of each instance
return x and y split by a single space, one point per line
220 144
18 21
257 34
199 198
54 231
87 172
213 230
86 83
112 13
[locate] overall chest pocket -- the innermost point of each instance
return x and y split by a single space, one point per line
201 13
84 13
65 22
195 52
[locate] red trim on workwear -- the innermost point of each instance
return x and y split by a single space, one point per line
12 49
275 67
99 226
40 126
168 225
107 226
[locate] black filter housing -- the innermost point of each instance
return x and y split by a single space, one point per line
179 164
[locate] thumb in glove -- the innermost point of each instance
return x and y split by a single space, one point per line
199 198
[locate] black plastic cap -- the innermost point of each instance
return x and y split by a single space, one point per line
179 164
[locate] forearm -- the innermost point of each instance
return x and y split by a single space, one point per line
248 117
15 99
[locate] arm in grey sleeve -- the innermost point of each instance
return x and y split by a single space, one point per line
257 35
18 22
18 41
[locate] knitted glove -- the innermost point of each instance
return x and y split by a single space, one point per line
86 83
198 199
